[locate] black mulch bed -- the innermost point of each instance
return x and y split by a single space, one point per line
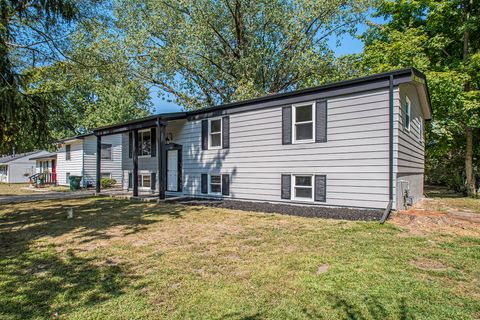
296 210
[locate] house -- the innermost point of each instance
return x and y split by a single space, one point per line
45 169
76 156
355 143
18 168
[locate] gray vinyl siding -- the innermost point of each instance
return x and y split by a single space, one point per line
74 166
113 166
355 158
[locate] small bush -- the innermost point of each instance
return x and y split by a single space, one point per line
107 183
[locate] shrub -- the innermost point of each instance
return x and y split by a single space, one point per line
107 183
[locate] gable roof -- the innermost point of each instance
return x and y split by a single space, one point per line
11 158
376 81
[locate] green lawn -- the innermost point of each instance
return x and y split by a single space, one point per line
10 189
125 260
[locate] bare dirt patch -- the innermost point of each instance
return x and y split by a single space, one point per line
425 217
429 265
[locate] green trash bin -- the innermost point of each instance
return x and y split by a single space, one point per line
75 182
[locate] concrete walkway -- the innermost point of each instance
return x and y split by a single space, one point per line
45 196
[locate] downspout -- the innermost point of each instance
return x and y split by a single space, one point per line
388 209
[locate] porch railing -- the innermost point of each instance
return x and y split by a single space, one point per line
43 179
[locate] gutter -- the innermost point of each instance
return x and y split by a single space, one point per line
388 209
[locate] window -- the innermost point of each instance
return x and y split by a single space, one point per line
145 143
215 133
407 114
106 151
303 128
215 184
302 187
106 175
420 131
144 181
68 176
68 152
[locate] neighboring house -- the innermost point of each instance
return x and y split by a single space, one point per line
355 143
77 157
18 168
46 169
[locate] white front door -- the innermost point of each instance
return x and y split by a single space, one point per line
172 170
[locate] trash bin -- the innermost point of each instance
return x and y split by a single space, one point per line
75 182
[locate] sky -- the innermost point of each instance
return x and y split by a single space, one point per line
348 45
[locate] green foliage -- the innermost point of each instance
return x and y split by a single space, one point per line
429 35
107 183
210 52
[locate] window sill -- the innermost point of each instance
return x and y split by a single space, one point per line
303 141
303 200
145 156
214 148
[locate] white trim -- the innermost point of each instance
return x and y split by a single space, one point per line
294 123
210 183
210 132
293 186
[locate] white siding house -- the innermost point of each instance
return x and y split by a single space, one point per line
18 168
77 157
342 144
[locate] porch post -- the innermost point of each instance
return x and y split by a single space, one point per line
162 159
99 167
135 163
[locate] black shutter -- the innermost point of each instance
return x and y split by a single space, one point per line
130 180
130 144
205 134
321 121
153 139
226 132
286 186
153 180
321 188
287 125
204 183
225 184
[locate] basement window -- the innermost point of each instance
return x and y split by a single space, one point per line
215 184
144 181
302 187
303 128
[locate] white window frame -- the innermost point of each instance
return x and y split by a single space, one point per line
408 112
210 133
210 184
68 154
293 186
139 143
105 173
294 122
111 151
141 182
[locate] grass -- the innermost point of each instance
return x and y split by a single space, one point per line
15 189
127 260
442 199
11 189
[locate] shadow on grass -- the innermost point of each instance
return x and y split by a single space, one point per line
36 281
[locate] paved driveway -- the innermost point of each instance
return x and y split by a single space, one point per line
45 196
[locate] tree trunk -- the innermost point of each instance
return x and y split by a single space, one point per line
471 191
469 162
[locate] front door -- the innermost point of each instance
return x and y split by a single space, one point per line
172 170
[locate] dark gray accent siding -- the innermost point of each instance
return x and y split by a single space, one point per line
130 180
153 135
321 122
204 183
226 132
320 188
287 125
286 186
153 180
225 184
205 134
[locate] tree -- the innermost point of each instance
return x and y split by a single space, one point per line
210 52
25 26
441 38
